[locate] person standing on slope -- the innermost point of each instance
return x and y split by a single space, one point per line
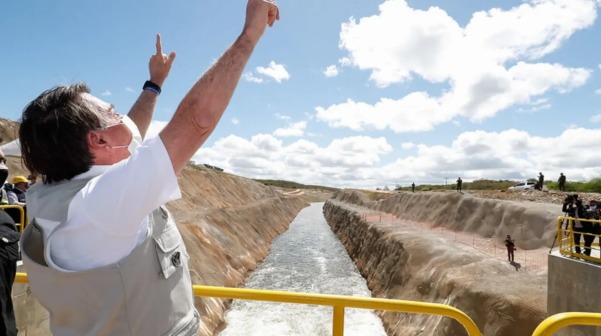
510 245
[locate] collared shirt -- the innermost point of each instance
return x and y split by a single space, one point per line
108 218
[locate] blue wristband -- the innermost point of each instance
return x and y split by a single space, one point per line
150 86
152 89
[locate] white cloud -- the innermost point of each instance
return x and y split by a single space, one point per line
415 112
235 121
598 92
106 93
510 154
128 89
596 118
535 106
275 71
331 71
282 116
265 156
488 64
356 161
293 130
345 61
249 77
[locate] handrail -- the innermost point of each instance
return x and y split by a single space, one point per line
22 218
566 244
338 302
547 327
553 323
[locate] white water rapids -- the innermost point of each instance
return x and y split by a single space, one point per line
307 258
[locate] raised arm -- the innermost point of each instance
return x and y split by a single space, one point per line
143 109
201 109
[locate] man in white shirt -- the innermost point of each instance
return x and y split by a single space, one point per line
103 256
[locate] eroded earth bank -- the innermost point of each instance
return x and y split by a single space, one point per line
409 263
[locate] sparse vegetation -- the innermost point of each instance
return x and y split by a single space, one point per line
592 186
375 195
294 185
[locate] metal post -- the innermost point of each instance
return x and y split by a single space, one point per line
338 323
571 237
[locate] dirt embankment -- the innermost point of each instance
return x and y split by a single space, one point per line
228 223
409 263
8 130
532 224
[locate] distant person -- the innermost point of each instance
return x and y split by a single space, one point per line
562 182
8 195
16 195
114 261
510 245
413 187
579 226
32 179
9 255
459 183
541 181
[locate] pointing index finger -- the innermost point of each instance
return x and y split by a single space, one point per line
159 46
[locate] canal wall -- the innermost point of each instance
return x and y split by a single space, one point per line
407 263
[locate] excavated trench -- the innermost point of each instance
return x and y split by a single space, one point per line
401 261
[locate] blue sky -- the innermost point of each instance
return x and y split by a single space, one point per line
344 93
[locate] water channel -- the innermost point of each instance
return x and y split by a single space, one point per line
307 258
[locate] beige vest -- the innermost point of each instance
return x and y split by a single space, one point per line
147 293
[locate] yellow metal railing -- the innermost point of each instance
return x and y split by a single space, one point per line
339 303
566 243
553 323
546 328
23 219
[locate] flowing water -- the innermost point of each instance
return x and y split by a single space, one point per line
307 258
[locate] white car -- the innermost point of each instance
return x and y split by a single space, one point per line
525 186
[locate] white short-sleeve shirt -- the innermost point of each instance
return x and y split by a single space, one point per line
108 218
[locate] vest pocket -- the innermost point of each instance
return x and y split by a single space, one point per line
170 251
188 326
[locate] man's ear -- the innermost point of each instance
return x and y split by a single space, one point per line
95 140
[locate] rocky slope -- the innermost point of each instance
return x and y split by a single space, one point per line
8 130
531 223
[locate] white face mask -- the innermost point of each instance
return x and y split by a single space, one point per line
136 137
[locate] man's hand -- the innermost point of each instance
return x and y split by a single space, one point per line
259 14
160 64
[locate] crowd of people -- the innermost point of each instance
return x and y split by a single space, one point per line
583 230
10 194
